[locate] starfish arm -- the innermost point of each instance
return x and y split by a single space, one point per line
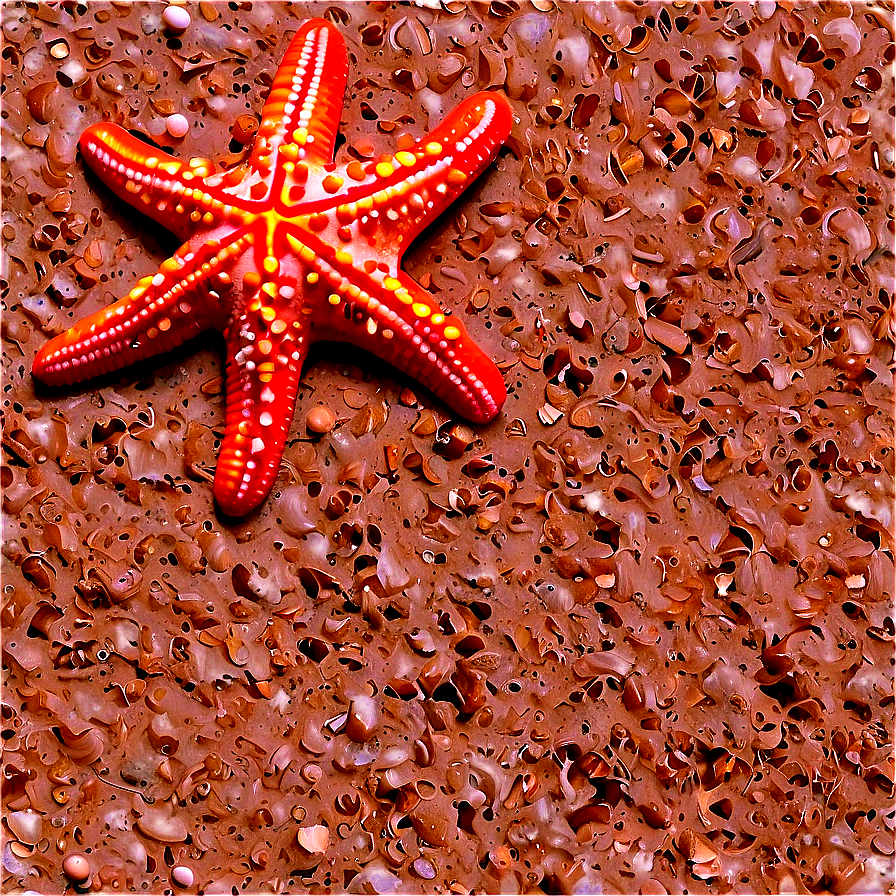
406 192
263 370
302 112
157 315
166 189
399 195
400 322
470 137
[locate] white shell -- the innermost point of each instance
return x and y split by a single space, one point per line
177 124
176 19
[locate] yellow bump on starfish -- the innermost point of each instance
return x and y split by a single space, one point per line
406 158
270 265
201 167
433 148
403 295
420 309
333 299
438 318
312 277
451 333
384 169
456 176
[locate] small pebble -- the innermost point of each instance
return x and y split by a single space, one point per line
244 128
176 19
76 868
177 125
183 876
320 419
423 868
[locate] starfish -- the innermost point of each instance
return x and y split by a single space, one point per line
286 249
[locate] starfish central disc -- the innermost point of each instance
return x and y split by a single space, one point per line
286 249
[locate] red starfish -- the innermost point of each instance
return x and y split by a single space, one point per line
286 249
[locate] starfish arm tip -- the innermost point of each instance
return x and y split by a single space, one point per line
302 112
262 384
233 505
237 491
52 369
491 407
41 363
95 132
